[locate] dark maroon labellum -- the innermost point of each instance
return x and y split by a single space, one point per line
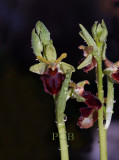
87 118
85 112
52 81
91 100
115 75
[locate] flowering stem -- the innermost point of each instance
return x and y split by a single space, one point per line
102 131
60 103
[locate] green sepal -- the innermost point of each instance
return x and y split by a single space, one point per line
82 83
66 67
43 33
36 44
38 68
87 37
86 62
50 53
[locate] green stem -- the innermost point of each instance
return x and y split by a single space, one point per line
60 103
102 131
62 138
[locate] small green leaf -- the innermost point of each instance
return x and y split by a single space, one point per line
86 62
87 37
50 53
43 33
66 67
38 68
36 44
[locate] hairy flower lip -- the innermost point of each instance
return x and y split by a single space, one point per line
52 81
87 118
91 100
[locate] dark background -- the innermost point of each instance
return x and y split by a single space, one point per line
27 113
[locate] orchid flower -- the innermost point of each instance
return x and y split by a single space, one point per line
51 69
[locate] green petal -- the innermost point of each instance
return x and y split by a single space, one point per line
66 67
38 68
36 44
50 53
87 61
87 37
43 33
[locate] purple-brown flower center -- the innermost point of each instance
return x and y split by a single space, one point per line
52 80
